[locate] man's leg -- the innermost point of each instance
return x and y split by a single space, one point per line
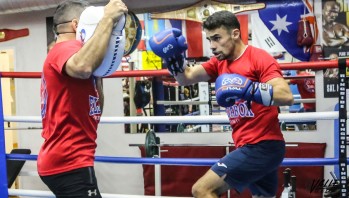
250 166
266 187
210 185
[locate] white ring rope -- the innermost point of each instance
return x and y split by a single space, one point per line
189 102
39 193
212 119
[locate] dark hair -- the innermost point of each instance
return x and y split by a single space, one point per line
222 18
327 2
69 10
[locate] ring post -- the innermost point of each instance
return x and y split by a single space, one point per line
159 110
157 170
336 141
342 118
3 169
157 176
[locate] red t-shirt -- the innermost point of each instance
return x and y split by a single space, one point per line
259 123
306 88
70 111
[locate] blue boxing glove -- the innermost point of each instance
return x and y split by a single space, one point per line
230 87
170 45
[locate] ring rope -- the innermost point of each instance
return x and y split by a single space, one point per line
299 77
315 65
186 161
165 102
210 119
132 73
176 84
40 193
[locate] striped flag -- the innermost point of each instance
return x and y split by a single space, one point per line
198 45
141 46
152 26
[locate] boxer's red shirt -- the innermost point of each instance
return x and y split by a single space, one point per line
259 123
70 111
306 88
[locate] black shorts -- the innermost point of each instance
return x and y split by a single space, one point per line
78 183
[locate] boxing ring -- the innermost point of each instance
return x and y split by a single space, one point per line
340 160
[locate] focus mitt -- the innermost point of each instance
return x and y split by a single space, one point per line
88 22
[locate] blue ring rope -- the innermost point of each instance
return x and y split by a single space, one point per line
187 161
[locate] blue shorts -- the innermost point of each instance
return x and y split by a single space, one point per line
253 166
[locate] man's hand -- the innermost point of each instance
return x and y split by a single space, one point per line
115 9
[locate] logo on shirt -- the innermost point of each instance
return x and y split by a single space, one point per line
95 108
239 110
309 85
43 96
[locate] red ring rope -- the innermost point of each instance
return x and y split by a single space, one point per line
298 77
316 65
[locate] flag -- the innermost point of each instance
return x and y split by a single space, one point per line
243 20
141 45
152 26
275 27
198 45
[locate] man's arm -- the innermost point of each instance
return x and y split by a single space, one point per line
192 75
334 42
89 57
282 94
337 37
99 85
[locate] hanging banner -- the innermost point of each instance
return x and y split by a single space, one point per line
335 41
150 61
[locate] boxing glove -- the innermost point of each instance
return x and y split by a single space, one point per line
230 87
317 53
304 35
170 45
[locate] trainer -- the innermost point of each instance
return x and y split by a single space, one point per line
72 98
249 83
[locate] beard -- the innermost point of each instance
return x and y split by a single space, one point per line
221 56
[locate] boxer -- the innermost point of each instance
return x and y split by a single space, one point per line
250 85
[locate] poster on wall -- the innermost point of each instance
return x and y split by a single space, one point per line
335 40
